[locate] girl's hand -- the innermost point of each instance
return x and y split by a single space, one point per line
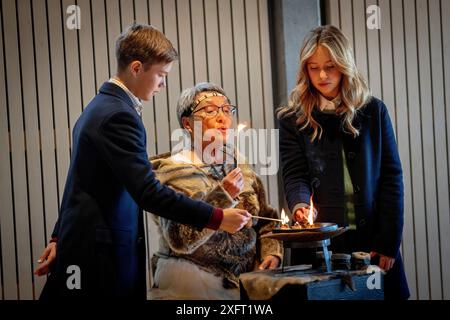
46 260
301 214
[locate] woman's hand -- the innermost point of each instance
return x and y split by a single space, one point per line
301 214
270 262
46 260
234 182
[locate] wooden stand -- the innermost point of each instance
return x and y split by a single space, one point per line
288 245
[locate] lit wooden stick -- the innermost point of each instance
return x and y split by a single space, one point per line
264 218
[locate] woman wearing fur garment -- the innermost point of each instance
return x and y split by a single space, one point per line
206 264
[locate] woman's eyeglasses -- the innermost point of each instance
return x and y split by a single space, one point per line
211 111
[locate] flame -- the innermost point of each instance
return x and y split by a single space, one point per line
241 126
311 213
284 217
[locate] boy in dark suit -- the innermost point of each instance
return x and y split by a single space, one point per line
97 247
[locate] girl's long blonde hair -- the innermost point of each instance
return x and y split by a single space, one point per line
354 91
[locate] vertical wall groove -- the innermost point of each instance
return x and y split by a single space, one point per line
446 141
69 120
54 121
26 129
107 38
220 45
437 287
166 92
367 52
93 43
18 210
445 10
8 249
234 60
192 37
261 62
393 67
208 76
420 100
381 63
445 92
82 100
410 151
4 133
23 215
248 62
4 146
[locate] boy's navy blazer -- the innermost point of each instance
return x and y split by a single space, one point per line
110 180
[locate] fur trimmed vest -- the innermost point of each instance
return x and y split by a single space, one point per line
220 253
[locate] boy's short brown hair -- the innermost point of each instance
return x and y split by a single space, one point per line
144 43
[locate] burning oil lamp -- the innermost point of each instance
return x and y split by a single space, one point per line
309 221
311 212
285 220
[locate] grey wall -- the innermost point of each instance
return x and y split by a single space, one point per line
407 63
291 21
49 73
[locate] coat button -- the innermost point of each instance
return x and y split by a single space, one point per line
140 240
351 155
357 189
362 222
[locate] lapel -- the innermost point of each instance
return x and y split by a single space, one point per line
116 91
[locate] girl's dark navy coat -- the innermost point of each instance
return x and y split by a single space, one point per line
376 173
